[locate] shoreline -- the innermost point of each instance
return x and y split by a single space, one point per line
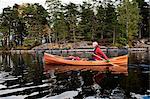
143 49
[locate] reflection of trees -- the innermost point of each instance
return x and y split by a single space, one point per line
19 68
139 58
28 67
136 80
35 69
6 62
148 57
18 64
132 83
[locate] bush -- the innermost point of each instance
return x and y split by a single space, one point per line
118 45
122 41
31 42
23 48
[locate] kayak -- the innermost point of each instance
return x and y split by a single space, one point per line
58 60
60 64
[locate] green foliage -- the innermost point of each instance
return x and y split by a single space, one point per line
128 17
71 15
26 20
132 82
60 27
92 20
144 12
35 19
54 7
101 21
122 41
88 23
30 42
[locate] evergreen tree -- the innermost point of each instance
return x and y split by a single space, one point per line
111 22
101 21
6 24
54 9
128 16
71 15
35 18
144 24
88 21
61 28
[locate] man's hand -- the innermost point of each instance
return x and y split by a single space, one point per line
107 61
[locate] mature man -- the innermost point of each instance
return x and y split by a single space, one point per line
98 54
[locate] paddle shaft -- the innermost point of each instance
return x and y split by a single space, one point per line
104 60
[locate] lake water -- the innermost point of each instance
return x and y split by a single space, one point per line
24 76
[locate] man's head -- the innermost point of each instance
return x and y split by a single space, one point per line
95 44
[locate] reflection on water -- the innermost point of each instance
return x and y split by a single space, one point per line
24 76
140 60
139 71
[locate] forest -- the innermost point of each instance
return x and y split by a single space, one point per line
112 23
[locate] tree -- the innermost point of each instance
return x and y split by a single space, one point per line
61 28
54 7
88 23
128 17
5 27
35 18
111 21
101 21
144 24
71 15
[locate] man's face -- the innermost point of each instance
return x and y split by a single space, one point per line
94 44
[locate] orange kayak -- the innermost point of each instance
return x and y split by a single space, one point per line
56 63
58 60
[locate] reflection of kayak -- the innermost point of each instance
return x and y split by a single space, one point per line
60 68
58 60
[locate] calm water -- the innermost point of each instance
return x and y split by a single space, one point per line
23 76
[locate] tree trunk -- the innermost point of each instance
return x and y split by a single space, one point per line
140 31
102 35
149 30
56 38
74 36
114 36
9 37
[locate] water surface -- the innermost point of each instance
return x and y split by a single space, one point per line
23 76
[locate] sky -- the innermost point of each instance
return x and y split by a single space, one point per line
6 3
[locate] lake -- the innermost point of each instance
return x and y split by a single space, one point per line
23 76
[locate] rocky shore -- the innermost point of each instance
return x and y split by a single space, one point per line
138 45
144 49
141 43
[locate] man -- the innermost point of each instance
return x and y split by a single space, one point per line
98 54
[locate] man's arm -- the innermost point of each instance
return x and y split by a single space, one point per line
101 53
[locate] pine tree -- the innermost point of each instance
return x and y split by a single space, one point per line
61 28
88 21
71 16
128 17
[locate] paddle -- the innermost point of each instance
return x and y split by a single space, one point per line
105 60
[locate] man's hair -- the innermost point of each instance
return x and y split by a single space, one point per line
95 43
